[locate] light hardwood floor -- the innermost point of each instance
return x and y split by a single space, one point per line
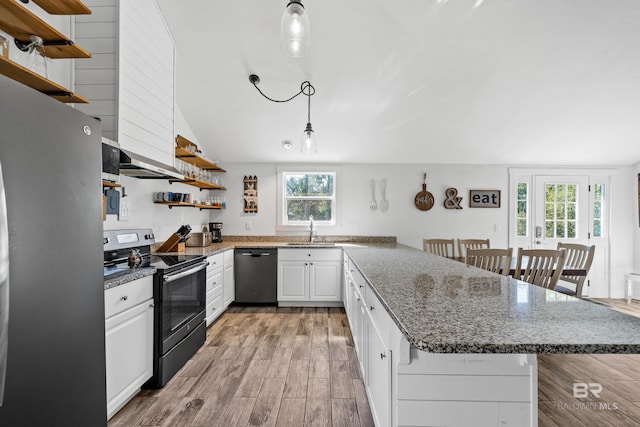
262 366
296 367
618 374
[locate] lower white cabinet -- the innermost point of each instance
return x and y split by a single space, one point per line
128 340
310 275
215 287
228 278
378 377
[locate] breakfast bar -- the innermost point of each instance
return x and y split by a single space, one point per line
462 342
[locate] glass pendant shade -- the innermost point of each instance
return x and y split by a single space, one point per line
308 145
294 35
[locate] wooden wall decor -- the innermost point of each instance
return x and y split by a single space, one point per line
453 200
424 199
250 193
484 198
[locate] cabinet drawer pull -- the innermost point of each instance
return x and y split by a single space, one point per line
382 356
124 298
371 307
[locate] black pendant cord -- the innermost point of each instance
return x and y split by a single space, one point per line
306 88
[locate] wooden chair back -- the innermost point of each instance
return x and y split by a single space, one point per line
466 244
578 256
542 267
494 260
442 247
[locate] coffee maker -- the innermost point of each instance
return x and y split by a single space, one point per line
215 228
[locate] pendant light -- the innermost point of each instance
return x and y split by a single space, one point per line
294 30
308 144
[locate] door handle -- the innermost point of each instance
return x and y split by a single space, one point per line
538 233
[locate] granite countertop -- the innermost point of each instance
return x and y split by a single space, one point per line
233 242
128 276
444 306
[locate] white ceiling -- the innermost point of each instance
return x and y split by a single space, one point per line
549 82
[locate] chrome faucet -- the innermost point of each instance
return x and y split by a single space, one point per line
312 232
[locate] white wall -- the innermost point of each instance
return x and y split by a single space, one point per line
143 213
635 196
402 219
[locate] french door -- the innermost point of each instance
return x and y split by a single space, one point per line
547 209
561 211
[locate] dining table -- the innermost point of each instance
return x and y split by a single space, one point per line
567 270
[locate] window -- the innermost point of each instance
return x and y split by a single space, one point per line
561 202
599 209
522 211
308 193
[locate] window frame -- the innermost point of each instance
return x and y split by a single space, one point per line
283 222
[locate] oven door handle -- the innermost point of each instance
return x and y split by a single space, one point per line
171 277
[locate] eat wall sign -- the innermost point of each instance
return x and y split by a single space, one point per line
484 198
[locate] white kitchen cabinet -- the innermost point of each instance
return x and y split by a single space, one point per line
128 340
228 278
130 78
293 281
215 287
312 276
378 377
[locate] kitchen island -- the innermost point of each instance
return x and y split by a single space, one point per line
456 345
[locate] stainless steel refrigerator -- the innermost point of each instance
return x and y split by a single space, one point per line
52 359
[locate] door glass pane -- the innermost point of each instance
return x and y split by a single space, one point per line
561 211
522 215
599 209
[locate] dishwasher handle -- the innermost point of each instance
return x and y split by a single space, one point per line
256 254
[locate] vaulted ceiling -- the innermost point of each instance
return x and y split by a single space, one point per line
549 82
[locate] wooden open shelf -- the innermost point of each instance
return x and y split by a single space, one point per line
63 7
202 185
27 77
185 155
187 205
21 23
110 184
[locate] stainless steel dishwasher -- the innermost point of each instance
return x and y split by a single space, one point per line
256 275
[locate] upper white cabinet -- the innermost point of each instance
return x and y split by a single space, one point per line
310 275
130 79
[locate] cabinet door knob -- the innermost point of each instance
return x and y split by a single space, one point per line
382 356
152 305
124 298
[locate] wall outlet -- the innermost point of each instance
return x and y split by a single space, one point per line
248 225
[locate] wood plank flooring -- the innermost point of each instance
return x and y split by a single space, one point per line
262 366
618 374
297 367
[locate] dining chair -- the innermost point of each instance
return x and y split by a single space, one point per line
577 256
466 244
494 260
542 267
442 247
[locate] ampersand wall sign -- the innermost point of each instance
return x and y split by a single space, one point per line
452 201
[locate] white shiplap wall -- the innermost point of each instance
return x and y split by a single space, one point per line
130 79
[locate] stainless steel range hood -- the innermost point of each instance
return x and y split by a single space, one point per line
137 166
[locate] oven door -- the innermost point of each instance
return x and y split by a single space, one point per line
182 304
